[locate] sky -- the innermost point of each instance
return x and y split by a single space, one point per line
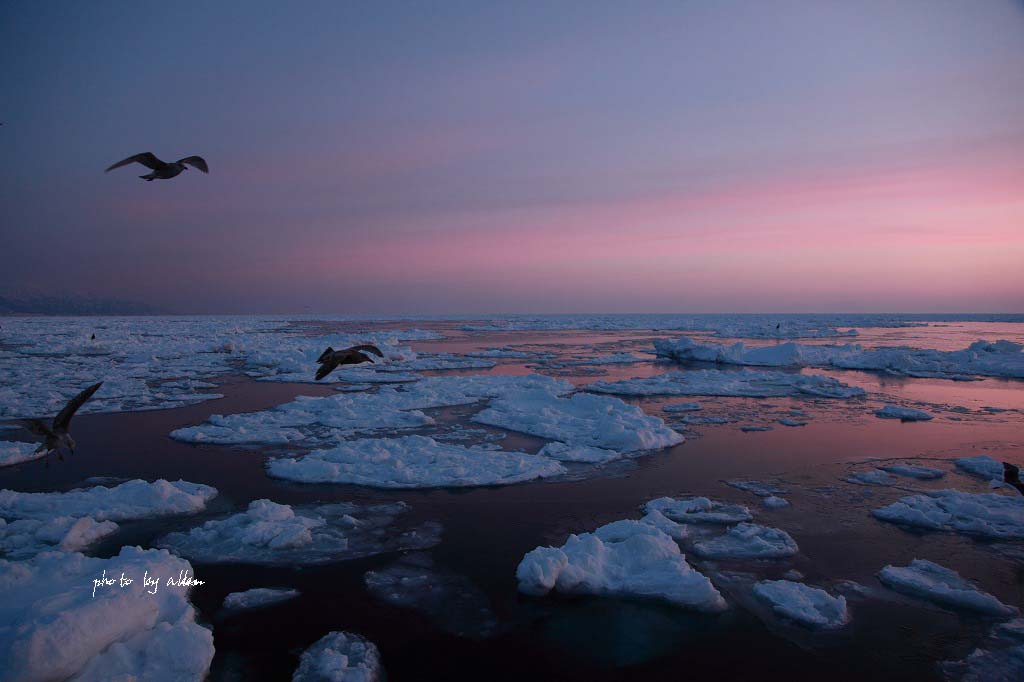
532 157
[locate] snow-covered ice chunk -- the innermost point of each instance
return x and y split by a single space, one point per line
748 541
773 502
413 462
743 383
926 579
135 499
450 599
984 466
906 414
914 471
759 488
981 514
52 627
682 407
625 559
872 477
578 453
340 657
810 606
27 537
582 419
258 597
788 421
698 510
16 452
755 428
271 533
500 353
988 665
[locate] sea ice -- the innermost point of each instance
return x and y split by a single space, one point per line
413 462
982 514
698 510
682 407
988 665
773 502
872 477
748 541
804 604
340 657
52 627
914 471
578 453
625 559
943 586
759 488
27 537
258 597
984 466
16 452
273 534
135 499
906 414
740 383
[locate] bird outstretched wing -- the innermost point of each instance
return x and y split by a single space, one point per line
368 348
197 162
326 354
36 426
63 419
326 367
147 159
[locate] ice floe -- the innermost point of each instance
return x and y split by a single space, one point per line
988 665
983 466
27 537
987 515
999 359
682 407
914 471
740 383
52 627
271 533
759 488
16 452
809 606
872 477
577 453
906 414
624 559
928 580
340 657
135 499
413 462
748 541
773 502
258 597
450 599
698 510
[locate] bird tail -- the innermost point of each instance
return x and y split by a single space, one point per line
323 356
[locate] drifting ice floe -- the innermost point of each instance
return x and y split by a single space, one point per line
741 383
53 628
28 537
872 477
698 510
625 559
577 453
984 466
413 462
682 407
773 502
748 541
988 665
999 359
914 471
271 533
15 452
131 500
258 597
943 586
804 604
906 414
757 487
982 514
415 582
340 657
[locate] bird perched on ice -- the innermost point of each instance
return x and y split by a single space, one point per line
331 359
56 436
161 169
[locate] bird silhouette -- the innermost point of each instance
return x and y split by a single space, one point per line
55 436
1011 475
331 359
162 170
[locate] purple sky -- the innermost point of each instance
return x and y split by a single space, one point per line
518 157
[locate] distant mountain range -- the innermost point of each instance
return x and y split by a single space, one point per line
72 305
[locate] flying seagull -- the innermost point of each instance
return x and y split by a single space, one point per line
56 436
331 359
161 169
